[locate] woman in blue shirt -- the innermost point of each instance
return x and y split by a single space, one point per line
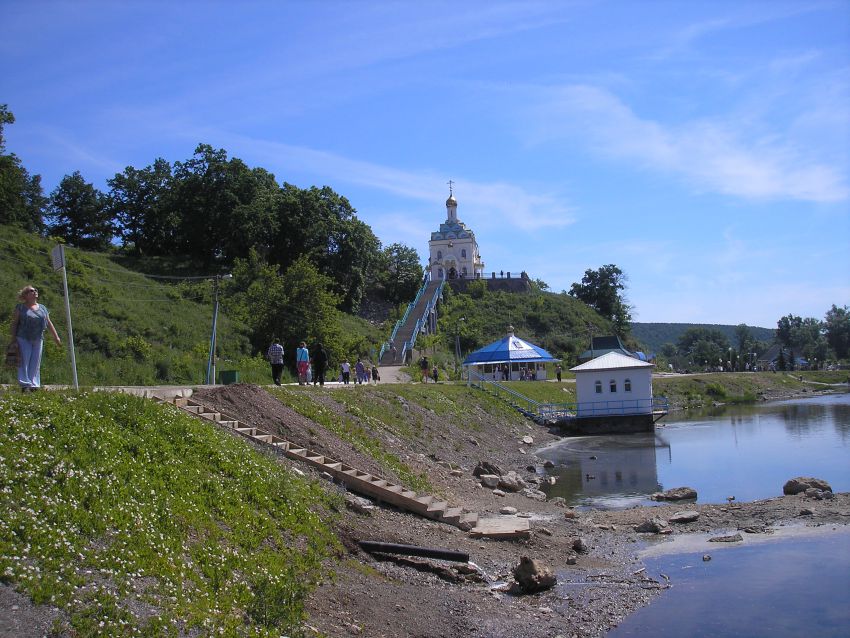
29 322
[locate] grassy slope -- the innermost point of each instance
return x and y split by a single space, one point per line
134 518
128 329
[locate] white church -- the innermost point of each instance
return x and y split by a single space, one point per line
454 251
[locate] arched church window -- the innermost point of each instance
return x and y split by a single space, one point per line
613 386
598 387
463 253
439 254
627 385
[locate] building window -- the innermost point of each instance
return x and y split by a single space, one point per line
627 385
439 254
440 273
598 387
463 253
613 386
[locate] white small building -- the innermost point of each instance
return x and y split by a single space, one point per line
613 385
453 249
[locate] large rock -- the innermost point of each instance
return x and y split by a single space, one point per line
489 480
802 483
676 494
511 482
686 516
654 525
485 467
532 575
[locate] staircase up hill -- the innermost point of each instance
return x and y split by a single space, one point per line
406 329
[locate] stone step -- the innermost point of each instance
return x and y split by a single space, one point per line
437 506
453 515
210 416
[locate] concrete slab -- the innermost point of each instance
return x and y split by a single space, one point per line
502 527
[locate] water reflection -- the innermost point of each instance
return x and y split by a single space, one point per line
745 451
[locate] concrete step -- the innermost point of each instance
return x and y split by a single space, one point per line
437 506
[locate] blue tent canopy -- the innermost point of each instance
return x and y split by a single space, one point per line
511 349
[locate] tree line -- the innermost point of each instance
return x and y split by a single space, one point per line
816 341
214 210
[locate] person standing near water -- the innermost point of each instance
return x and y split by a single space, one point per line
29 321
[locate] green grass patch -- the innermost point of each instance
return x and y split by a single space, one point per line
136 519
351 429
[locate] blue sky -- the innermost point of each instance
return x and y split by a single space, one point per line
703 147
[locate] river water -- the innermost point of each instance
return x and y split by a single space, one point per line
743 451
795 583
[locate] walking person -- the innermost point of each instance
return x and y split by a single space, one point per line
302 362
375 376
424 368
435 374
558 371
346 372
275 357
360 371
29 321
393 350
320 365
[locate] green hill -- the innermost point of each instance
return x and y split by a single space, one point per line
654 335
131 329
128 329
557 322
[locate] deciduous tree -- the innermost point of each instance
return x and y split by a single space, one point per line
79 213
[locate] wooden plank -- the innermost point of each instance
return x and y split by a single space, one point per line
501 527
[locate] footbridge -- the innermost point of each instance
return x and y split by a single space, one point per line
419 315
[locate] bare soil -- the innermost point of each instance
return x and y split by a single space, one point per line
386 596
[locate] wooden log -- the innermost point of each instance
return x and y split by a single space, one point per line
414 550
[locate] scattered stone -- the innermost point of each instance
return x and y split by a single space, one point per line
570 513
456 473
473 441
676 494
489 480
806 512
444 464
814 493
498 492
828 495
507 509
546 531
558 500
511 482
531 468
802 483
548 464
524 514
535 495
686 516
296 471
522 451
485 467
654 525
359 504
571 560
528 440
706 558
551 480
580 545
327 476
533 576
731 538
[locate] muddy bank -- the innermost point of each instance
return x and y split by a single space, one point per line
594 554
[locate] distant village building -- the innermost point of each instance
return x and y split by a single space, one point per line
453 249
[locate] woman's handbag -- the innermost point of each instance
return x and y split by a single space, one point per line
13 354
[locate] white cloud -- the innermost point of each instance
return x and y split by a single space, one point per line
712 155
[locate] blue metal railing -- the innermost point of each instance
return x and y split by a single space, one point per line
503 392
422 319
398 324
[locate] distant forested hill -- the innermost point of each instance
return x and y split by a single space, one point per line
655 335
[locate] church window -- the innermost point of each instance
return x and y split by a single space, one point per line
463 253
627 385
613 386
598 387
439 254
